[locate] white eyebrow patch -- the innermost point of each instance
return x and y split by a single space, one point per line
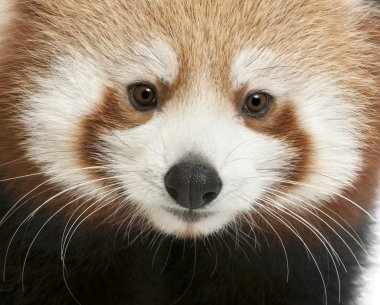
247 62
157 57
260 68
146 61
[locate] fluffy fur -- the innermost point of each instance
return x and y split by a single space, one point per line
85 215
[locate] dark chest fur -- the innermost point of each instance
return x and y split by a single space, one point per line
104 267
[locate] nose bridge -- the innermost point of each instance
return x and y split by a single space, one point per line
203 89
197 120
191 137
199 129
197 115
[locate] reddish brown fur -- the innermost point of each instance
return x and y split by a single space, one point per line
29 47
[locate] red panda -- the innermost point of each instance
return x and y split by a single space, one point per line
187 152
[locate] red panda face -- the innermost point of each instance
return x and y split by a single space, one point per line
194 116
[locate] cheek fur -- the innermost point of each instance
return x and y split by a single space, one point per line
283 124
114 112
312 114
52 117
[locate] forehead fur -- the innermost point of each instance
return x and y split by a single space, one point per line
253 21
214 30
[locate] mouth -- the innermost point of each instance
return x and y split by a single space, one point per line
189 216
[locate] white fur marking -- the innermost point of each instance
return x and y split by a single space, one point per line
148 61
323 113
53 115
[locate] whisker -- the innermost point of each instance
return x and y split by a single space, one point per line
167 258
332 253
213 247
360 241
280 219
234 149
71 231
16 206
37 209
50 173
336 194
40 230
348 200
329 226
66 230
192 276
282 245
157 249
12 161
63 256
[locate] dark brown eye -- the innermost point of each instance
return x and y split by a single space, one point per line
143 96
257 104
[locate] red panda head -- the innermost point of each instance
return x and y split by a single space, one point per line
189 117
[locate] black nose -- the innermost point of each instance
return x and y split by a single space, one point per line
192 185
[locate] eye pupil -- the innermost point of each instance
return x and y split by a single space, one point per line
145 94
256 101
